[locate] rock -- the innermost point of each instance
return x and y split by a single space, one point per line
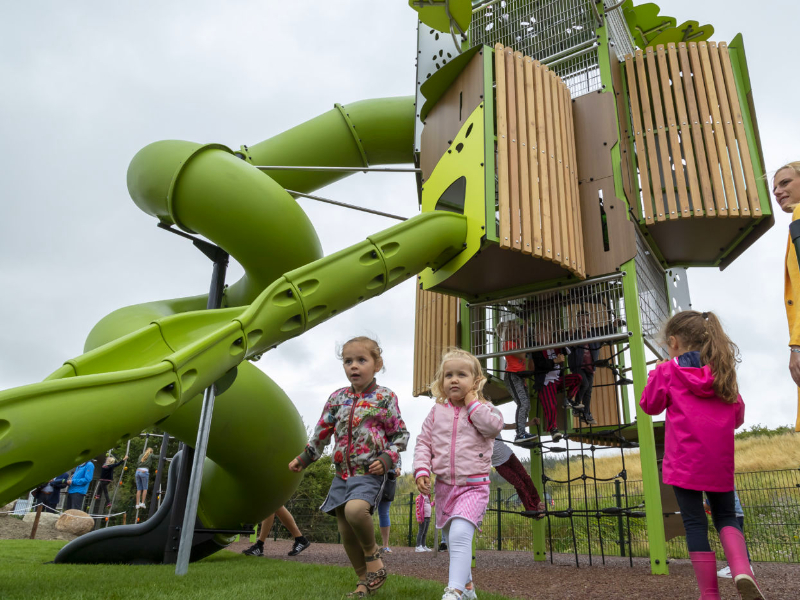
7 509
75 522
47 518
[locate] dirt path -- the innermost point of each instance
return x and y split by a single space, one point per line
515 574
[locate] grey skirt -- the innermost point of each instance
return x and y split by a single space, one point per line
360 487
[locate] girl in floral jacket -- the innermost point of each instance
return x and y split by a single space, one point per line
368 435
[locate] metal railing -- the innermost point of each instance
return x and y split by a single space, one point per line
591 310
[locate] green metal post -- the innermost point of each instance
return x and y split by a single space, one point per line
410 517
621 533
644 426
539 541
499 519
626 410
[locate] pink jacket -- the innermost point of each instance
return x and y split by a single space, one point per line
699 427
456 443
423 507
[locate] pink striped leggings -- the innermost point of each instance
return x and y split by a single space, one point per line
547 396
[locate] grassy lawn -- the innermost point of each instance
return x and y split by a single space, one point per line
223 576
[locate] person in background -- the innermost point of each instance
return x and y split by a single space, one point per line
79 485
106 477
509 467
384 519
786 188
286 518
52 499
143 466
423 513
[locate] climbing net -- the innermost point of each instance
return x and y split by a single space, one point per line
590 315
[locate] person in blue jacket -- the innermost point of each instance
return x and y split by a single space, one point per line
79 485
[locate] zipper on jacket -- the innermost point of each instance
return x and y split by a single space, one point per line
350 436
456 409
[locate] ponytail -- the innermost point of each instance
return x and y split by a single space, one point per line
722 355
703 332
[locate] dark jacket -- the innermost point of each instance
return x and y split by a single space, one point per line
107 471
543 366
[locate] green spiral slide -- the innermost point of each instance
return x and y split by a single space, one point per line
149 364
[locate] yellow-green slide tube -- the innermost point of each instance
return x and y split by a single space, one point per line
149 363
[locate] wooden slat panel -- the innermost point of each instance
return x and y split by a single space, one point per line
559 165
502 147
522 139
551 166
533 158
708 131
563 95
544 176
730 138
629 186
666 167
697 132
641 152
428 350
652 155
741 136
513 149
719 135
686 139
576 197
671 127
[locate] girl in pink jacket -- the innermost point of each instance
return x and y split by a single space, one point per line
697 387
456 445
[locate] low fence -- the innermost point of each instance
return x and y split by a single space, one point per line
770 499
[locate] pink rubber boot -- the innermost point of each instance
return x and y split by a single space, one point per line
736 552
705 571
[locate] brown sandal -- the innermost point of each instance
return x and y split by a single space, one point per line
356 594
375 579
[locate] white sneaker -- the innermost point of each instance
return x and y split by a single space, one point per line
426 549
451 594
726 573
469 594
419 549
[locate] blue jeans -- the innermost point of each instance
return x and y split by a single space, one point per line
694 516
142 480
383 513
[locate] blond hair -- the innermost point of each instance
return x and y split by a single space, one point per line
374 349
437 386
793 166
703 332
146 454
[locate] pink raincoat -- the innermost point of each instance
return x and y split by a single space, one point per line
699 426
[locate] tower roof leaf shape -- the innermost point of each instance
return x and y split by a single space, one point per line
433 13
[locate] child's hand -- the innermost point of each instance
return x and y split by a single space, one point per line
471 396
559 359
377 468
424 484
295 466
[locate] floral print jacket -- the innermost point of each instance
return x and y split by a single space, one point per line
364 427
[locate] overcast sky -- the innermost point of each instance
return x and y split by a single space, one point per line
85 85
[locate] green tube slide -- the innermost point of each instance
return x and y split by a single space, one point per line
149 364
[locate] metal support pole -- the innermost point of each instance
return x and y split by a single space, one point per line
410 516
499 519
220 258
644 427
620 528
159 473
